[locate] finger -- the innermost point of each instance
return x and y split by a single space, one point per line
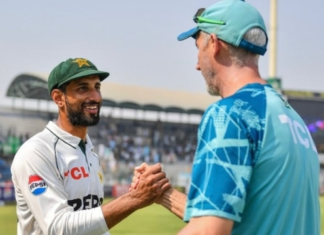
157 176
152 169
137 174
164 184
135 182
141 167
133 186
135 178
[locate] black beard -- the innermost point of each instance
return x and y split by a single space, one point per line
77 116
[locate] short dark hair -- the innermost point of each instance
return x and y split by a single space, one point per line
63 87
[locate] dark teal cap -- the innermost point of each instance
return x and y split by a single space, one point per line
72 69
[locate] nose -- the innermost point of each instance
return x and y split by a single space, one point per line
95 95
198 66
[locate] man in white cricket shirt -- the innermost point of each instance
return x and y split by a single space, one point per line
57 176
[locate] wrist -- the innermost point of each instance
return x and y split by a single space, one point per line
164 197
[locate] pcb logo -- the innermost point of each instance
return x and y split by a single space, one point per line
37 185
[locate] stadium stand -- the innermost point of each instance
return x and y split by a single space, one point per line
137 124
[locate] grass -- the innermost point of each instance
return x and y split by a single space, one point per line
150 220
8 220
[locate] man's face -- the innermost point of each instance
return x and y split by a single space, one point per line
83 101
204 64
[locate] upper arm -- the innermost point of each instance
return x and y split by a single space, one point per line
208 225
222 166
37 182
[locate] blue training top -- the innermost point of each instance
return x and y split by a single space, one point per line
256 164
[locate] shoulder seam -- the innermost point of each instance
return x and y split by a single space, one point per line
60 138
56 158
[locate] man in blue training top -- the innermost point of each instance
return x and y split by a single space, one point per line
256 169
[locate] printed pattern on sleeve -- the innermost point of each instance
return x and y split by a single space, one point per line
229 140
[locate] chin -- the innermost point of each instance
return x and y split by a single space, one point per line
213 92
95 120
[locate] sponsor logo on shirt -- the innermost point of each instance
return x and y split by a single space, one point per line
37 185
85 203
77 173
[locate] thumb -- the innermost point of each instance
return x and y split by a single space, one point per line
141 167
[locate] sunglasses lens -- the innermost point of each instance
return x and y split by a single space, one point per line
198 13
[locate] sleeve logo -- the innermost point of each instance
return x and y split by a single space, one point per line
37 185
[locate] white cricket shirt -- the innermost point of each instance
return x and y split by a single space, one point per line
58 186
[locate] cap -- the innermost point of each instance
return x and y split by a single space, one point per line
72 69
229 20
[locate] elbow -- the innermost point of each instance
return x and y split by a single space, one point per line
58 224
85 222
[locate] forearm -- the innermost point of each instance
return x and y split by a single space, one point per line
118 209
208 225
85 222
174 201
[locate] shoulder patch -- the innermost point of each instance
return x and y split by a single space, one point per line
37 185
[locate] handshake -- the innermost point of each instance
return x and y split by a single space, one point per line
148 185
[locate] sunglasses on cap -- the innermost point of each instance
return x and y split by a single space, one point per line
198 19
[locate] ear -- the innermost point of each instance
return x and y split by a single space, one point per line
216 43
58 97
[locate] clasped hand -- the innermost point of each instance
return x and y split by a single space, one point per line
149 183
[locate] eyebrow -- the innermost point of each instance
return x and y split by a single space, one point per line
81 83
86 83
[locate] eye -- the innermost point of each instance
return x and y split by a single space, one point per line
82 88
98 88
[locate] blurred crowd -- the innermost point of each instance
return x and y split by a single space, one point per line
128 141
123 143
132 141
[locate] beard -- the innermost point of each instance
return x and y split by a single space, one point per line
213 90
77 117
210 76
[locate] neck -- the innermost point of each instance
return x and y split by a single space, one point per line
233 79
79 131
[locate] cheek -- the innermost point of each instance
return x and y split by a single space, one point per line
73 102
199 56
199 59
202 55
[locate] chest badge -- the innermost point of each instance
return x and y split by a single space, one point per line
100 177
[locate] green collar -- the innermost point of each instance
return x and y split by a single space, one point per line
82 146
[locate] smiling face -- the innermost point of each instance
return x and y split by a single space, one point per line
82 98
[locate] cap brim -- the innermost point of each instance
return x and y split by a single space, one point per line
102 75
190 33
